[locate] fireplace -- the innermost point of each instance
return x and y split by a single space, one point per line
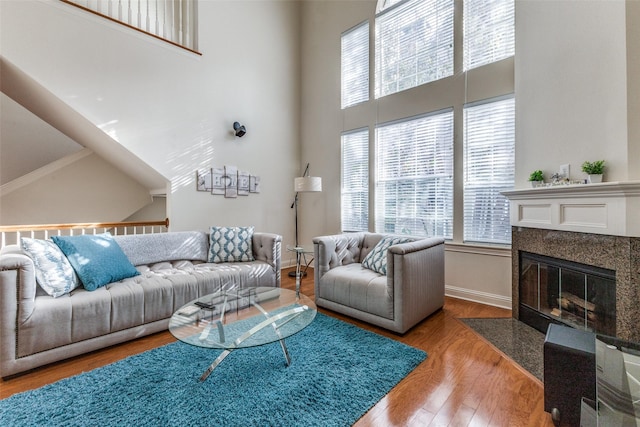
612 261
575 256
555 290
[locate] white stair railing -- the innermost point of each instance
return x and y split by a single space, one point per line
11 234
175 21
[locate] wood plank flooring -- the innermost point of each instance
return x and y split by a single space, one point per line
463 382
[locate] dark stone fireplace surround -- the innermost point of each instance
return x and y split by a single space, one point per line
621 254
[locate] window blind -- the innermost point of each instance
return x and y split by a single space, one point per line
414 176
355 65
414 45
355 180
489 168
489 31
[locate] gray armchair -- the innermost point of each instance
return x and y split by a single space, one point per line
412 289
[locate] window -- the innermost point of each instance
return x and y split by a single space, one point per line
489 168
414 176
355 180
355 65
414 45
489 31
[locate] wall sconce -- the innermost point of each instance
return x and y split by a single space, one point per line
239 129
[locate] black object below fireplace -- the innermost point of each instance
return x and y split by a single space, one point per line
553 290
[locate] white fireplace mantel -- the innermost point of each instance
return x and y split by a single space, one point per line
611 208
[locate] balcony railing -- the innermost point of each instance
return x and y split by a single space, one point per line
173 21
11 234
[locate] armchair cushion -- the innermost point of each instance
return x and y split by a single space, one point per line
376 260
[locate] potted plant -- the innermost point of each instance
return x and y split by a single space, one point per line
594 170
536 178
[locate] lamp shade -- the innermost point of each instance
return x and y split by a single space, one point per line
307 183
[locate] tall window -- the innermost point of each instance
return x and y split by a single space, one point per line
414 45
355 180
489 31
355 65
414 176
489 168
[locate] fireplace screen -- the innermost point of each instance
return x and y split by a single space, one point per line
579 295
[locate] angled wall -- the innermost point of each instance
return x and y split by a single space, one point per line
80 188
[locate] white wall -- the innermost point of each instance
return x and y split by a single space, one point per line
175 109
87 189
633 87
571 86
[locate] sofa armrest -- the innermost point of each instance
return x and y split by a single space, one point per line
267 247
335 250
415 272
414 246
17 288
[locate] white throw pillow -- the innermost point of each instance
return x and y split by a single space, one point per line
54 273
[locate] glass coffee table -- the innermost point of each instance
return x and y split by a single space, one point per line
232 319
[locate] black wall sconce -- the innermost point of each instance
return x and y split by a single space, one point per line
239 129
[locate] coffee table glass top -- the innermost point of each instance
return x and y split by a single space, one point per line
240 318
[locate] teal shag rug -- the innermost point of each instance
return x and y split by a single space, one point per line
337 373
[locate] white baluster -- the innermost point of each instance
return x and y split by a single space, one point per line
157 32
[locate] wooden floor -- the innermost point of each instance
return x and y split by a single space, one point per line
463 382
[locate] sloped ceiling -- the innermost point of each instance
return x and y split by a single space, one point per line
42 103
28 142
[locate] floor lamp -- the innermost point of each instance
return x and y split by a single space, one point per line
303 184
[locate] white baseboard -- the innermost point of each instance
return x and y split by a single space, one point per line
478 296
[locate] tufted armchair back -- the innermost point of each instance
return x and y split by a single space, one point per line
343 249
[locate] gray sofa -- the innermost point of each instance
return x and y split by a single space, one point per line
36 329
411 290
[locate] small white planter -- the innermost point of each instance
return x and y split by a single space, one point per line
535 184
594 179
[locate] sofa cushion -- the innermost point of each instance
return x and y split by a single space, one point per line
376 260
231 244
54 274
97 259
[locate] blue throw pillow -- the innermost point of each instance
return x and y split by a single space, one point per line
376 260
231 244
97 259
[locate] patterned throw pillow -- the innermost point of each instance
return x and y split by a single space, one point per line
97 259
376 260
54 274
231 244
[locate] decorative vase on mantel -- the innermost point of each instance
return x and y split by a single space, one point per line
535 184
594 178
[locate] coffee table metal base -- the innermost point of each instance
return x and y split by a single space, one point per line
270 321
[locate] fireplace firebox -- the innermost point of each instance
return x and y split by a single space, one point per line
555 290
